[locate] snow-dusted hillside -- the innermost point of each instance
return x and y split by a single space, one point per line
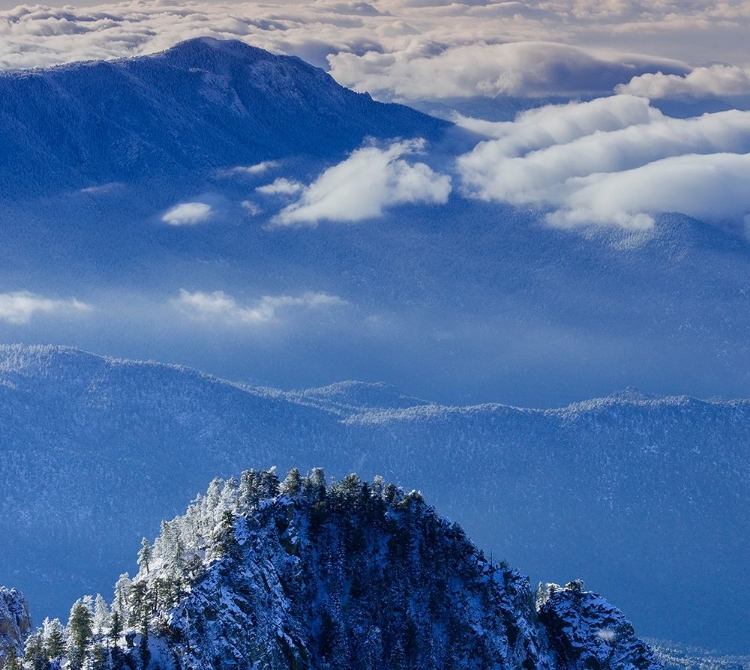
201 105
645 498
299 575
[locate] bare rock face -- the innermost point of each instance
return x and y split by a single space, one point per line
15 622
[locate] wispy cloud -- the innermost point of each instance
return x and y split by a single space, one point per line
218 306
20 307
614 161
361 186
250 170
188 214
103 188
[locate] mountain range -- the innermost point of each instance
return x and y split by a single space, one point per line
645 498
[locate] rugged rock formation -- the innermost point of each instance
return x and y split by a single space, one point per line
15 622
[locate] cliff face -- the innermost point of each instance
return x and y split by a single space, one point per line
15 622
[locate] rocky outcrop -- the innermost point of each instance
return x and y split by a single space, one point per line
586 632
15 622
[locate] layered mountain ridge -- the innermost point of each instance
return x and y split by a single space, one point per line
98 448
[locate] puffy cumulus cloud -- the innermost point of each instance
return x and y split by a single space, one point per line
531 69
364 184
387 44
188 214
614 160
719 81
220 307
707 187
20 307
280 186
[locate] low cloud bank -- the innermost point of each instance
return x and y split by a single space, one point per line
716 81
20 307
530 69
366 183
616 161
222 308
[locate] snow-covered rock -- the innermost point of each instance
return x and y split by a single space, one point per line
587 632
15 622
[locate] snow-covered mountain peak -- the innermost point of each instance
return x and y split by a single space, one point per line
202 105
302 574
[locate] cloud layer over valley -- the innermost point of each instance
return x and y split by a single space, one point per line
410 49
614 160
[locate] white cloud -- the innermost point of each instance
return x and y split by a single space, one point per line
280 186
20 307
188 214
252 170
218 306
252 208
716 81
103 188
616 161
537 69
707 187
368 181
468 48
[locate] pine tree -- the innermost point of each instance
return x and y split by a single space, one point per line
292 484
115 630
143 649
99 658
34 655
138 602
225 543
121 604
11 660
144 555
54 639
80 631
102 616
